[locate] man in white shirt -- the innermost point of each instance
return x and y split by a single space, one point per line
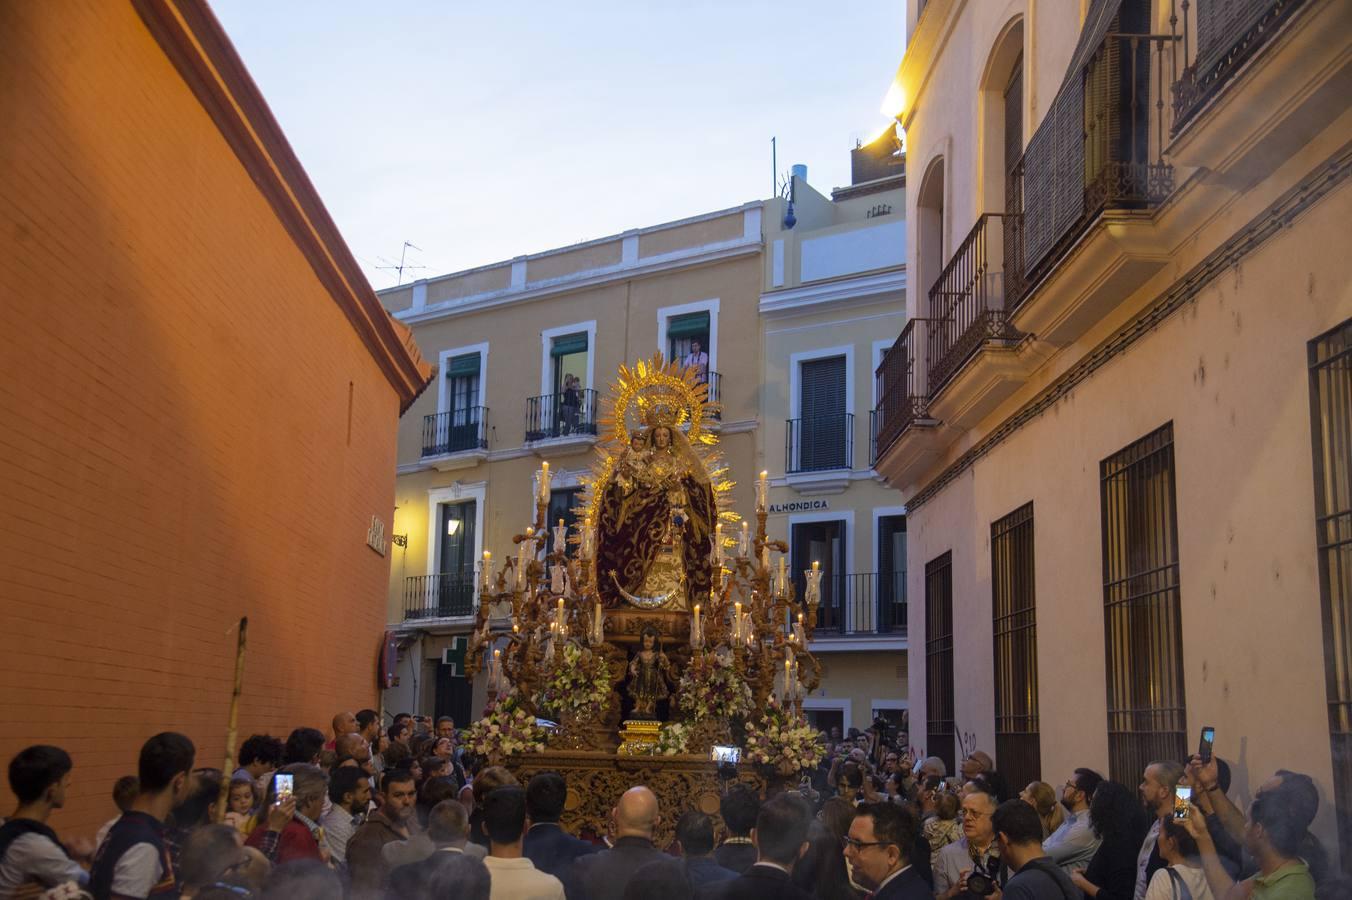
1074 844
878 850
30 853
699 359
512 875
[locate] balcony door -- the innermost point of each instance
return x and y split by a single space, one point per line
461 431
822 408
568 383
822 542
891 573
456 575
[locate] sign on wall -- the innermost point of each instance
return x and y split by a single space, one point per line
794 506
375 535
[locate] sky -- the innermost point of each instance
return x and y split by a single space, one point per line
481 131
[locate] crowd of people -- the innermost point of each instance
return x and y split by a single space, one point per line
405 813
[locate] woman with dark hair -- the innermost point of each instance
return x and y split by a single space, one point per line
821 872
1182 876
1120 823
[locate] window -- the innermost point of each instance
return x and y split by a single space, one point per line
566 404
1142 634
1331 415
456 571
1015 630
820 438
688 340
561 504
939 660
464 415
892 573
824 543
568 356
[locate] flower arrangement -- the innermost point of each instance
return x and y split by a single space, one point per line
578 685
711 688
673 739
506 728
782 740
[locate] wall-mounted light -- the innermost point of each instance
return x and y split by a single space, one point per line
399 540
452 527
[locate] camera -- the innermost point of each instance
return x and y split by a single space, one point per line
980 885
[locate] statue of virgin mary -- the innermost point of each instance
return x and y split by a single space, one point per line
655 521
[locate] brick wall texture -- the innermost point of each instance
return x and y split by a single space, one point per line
190 430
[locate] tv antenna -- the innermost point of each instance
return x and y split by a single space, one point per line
402 266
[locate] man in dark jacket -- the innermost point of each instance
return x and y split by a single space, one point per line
780 838
604 875
878 849
695 833
739 807
547 845
1019 832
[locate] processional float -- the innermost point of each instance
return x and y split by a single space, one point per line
659 627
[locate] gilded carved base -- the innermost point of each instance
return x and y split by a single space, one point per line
596 780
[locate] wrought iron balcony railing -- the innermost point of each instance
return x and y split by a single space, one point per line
455 431
967 302
561 415
716 391
1099 147
819 443
442 596
1229 34
903 385
860 604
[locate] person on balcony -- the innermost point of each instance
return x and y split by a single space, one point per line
699 359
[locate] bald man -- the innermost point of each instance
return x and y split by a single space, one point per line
604 875
343 723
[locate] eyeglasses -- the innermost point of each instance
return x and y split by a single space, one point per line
847 842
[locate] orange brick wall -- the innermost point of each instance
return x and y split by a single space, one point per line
175 443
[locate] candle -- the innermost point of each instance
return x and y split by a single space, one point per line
696 638
561 538
762 490
783 575
744 541
598 623
717 553
486 569
765 558
559 617
544 483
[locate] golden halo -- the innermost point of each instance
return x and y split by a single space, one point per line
656 392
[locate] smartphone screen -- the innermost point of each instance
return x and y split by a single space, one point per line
1182 797
285 787
1208 740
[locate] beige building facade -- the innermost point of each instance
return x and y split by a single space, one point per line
1119 411
525 349
833 301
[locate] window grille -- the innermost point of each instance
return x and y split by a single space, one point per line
939 659
1143 648
1017 738
1331 415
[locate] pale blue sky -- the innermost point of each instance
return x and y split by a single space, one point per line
481 131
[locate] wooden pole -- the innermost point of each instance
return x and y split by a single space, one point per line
228 768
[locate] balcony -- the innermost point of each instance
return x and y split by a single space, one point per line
859 606
563 422
976 358
457 439
716 394
908 437
819 453
1229 34
443 596
1079 232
